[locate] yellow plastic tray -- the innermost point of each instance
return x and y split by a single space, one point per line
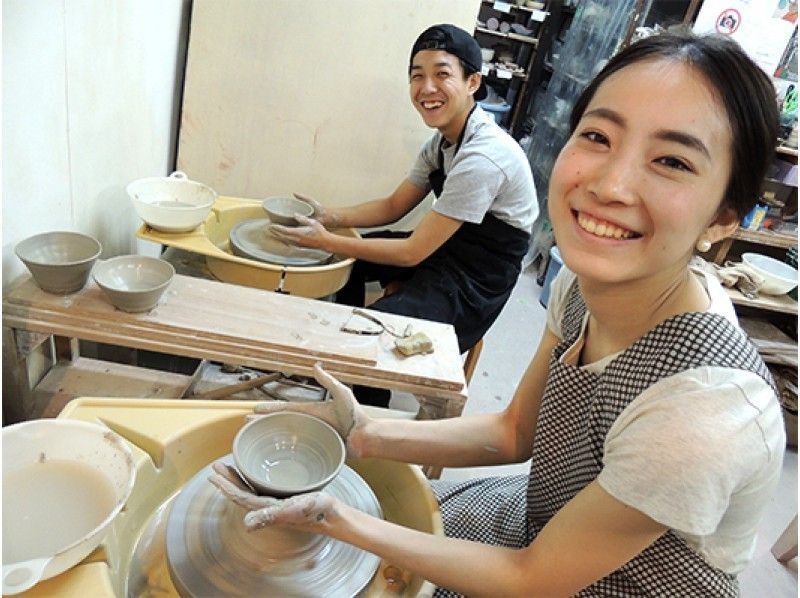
173 439
210 240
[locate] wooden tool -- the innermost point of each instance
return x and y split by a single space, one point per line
226 391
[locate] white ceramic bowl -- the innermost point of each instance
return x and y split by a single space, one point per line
281 210
133 283
173 204
59 261
282 454
779 277
64 482
487 54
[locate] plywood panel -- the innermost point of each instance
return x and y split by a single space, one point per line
309 96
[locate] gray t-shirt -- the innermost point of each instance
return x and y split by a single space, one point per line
490 173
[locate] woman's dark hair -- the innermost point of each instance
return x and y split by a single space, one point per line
743 88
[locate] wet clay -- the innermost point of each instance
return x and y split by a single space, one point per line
51 504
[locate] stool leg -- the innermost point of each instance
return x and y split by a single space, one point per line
472 360
785 547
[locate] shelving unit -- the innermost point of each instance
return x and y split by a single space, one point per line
764 239
759 237
512 84
777 303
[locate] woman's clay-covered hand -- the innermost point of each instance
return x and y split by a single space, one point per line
341 410
307 512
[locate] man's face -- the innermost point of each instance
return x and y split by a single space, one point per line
440 92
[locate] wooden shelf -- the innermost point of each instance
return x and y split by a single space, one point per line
514 74
789 151
765 237
517 6
780 303
514 36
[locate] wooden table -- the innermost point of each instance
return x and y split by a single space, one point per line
228 323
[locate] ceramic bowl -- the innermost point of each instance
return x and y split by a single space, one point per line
487 54
779 277
133 283
173 204
281 210
64 482
60 262
282 454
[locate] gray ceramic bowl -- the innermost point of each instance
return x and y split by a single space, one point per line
282 454
281 210
59 261
133 283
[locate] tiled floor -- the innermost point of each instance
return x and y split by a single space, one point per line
509 346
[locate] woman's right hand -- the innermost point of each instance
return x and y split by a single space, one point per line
341 410
321 214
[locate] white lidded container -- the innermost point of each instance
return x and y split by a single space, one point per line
64 482
172 204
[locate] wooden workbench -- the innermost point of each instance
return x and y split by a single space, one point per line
216 321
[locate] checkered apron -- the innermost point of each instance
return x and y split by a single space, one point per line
578 408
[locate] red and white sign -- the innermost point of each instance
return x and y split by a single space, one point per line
728 21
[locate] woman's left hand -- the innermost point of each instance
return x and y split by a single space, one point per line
309 233
306 512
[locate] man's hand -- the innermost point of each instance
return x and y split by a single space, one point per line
342 411
309 233
307 512
321 214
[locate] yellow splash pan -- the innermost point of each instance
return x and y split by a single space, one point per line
171 441
211 240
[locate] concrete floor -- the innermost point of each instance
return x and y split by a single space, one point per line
508 348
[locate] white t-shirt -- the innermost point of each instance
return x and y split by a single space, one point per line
490 173
700 452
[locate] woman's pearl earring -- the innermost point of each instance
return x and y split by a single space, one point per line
703 245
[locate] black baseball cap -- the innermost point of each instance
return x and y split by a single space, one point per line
455 41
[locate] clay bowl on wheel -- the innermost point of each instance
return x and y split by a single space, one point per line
60 262
281 210
282 454
134 283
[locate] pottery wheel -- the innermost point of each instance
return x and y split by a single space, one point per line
252 239
210 553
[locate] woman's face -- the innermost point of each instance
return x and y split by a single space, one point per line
642 177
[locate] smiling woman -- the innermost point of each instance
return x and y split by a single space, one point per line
651 423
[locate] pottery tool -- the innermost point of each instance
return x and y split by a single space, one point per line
226 391
346 327
418 342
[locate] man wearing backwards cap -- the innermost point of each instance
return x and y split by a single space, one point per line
461 262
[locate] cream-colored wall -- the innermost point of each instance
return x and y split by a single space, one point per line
309 96
89 104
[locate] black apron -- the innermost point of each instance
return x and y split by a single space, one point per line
466 282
